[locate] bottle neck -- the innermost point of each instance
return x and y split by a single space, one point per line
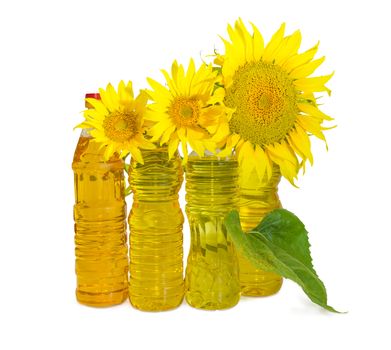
158 179
86 133
211 184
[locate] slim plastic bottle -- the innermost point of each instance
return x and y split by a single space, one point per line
100 225
212 276
156 237
257 198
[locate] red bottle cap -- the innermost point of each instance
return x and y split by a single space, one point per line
92 95
95 95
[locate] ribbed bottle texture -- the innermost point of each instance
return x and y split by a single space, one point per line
212 276
257 198
100 226
156 237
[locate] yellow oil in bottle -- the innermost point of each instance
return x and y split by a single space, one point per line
100 226
156 237
212 276
257 198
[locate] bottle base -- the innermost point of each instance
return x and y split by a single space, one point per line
154 305
198 302
101 299
262 289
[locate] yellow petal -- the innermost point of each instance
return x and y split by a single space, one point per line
239 50
246 167
143 143
260 162
316 84
136 154
159 89
246 151
306 69
185 152
109 151
98 106
195 134
173 146
301 142
288 47
314 111
297 60
274 43
258 44
167 134
311 125
246 39
197 146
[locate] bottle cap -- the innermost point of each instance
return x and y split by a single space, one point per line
95 95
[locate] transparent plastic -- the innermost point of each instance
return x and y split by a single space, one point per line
100 226
156 237
257 198
212 276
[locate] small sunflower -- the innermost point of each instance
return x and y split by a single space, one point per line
190 110
117 121
273 96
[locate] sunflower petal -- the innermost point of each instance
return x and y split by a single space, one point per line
173 146
258 44
299 59
316 84
306 69
274 43
314 111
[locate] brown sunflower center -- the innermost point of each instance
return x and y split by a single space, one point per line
265 101
120 126
185 111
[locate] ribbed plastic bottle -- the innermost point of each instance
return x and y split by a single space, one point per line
257 198
100 225
212 276
156 237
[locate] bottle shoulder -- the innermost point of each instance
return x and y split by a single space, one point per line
90 154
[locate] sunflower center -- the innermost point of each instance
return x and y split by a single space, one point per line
185 111
265 101
120 126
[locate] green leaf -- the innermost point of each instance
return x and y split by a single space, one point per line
280 244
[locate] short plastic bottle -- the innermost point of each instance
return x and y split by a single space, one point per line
212 272
257 198
100 225
156 236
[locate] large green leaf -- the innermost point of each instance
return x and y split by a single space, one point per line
280 244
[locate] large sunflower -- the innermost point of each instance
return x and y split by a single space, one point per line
273 96
189 110
117 121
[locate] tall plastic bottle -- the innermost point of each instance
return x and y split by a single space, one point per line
156 237
257 198
212 276
100 225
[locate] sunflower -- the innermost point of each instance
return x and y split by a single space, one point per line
273 96
117 121
190 110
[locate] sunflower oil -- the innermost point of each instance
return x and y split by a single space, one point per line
100 226
156 238
212 276
256 199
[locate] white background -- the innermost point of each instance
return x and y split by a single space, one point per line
53 52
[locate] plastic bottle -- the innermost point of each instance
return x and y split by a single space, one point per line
257 198
100 225
156 237
212 276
